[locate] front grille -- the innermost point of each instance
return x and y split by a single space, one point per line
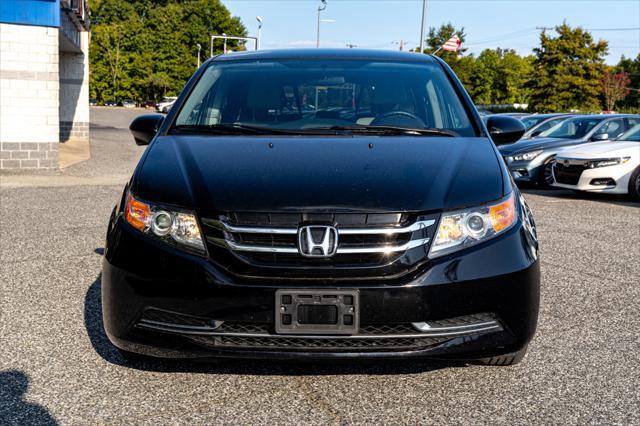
253 244
367 329
569 174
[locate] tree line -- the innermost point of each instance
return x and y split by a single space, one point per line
146 49
566 72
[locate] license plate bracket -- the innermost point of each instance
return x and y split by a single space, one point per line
322 311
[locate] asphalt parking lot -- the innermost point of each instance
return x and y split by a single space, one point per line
56 365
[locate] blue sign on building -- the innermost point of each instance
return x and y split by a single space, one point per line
45 13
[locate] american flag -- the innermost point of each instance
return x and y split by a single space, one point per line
453 44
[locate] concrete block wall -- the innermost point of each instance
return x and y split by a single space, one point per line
29 97
74 92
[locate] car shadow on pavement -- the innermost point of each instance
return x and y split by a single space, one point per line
566 194
13 407
103 347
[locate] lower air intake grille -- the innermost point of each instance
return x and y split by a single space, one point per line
399 343
387 337
568 174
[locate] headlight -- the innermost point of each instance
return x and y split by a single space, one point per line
606 162
174 227
527 156
461 229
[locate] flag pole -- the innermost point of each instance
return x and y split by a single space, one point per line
437 50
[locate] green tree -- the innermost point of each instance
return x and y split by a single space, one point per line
568 70
499 77
512 77
631 67
484 77
464 67
146 49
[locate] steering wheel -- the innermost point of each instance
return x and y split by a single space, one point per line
402 118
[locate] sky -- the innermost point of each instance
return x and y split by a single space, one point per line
380 24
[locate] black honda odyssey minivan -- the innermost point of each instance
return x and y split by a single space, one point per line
322 204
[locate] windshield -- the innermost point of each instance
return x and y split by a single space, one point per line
309 95
574 128
531 121
632 135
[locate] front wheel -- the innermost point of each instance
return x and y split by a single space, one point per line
545 179
634 184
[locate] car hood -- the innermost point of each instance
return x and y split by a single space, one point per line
603 150
536 143
360 173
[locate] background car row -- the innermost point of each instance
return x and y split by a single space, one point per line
595 153
163 106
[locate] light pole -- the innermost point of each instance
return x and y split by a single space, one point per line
259 19
400 42
424 15
321 7
199 48
213 37
224 43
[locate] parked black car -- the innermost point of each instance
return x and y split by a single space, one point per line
539 123
381 222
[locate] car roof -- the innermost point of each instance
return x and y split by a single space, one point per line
552 114
603 116
379 54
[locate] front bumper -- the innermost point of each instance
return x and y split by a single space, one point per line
614 180
499 278
525 171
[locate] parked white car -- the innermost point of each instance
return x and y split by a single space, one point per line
608 167
166 104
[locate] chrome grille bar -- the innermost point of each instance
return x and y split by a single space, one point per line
245 247
341 250
224 226
416 226
383 249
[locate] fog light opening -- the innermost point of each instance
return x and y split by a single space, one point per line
603 182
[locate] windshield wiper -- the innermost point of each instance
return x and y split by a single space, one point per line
244 129
231 129
394 130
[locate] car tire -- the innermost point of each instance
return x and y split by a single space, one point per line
546 176
503 360
634 184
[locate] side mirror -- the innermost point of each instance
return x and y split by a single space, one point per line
600 137
504 129
145 127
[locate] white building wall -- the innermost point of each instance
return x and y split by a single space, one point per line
29 97
74 92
